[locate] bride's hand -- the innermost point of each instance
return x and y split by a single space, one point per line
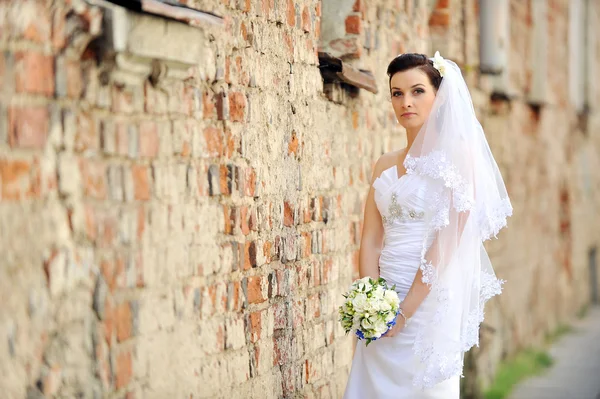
396 328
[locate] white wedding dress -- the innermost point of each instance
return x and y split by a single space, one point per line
385 369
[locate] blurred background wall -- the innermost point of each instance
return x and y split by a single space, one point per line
181 202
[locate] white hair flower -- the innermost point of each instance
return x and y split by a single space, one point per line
439 63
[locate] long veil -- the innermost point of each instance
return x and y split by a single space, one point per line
469 205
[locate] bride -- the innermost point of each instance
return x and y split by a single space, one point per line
429 210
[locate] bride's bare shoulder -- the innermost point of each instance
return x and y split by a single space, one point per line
386 161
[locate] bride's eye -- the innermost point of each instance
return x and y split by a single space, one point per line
396 94
419 91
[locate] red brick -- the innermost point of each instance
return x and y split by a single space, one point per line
255 294
74 79
34 73
243 76
293 145
297 313
208 105
122 99
289 43
244 31
439 19
327 270
316 274
141 182
87 137
220 338
186 149
232 144
149 140
255 326
317 28
291 13
109 320
267 250
249 182
442 4
107 271
237 107
124 324
314 306
139 270
353 24
214 141
189 100
15 179
307 244
306 19
201 181
51 381
288 214
230 218
28 126
307 214
90 222
93 175
244 220
123 370
228 70
250 252
318 9
101 355
120 272
107 233
348 46
247 6
266 7
225 179
122 139
282 350
357 6
236 306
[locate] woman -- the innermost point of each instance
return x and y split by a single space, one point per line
428 211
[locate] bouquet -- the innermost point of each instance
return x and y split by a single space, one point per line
370 308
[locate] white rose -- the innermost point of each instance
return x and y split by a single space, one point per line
366 323
384 306
391 297
372 306
389 317
380 326
359 302
378 293
439 63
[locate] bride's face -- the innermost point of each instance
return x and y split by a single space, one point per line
412 97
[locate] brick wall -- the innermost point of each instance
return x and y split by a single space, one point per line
190 235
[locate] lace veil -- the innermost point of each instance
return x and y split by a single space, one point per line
470 205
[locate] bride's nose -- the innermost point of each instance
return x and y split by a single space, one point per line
407 102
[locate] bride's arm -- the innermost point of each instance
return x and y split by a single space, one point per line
371 241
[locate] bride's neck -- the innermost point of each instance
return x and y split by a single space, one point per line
411 135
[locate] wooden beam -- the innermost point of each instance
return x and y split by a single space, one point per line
171 10
334 69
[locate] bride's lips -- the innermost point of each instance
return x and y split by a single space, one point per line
407 114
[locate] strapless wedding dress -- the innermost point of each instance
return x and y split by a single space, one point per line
385 369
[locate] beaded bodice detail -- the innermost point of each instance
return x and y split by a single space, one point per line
395 211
